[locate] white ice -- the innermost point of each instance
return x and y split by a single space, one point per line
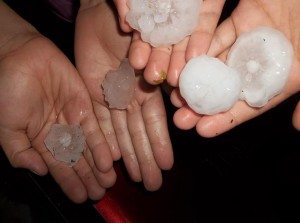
262 58
119 85
66 143
163 22
209 86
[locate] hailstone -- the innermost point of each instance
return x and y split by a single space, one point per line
66 143
119 85
256 70
163 22
263 57
209 86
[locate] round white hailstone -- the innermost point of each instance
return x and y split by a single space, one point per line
163 22
263 57
209 86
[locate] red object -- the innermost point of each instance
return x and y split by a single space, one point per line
129 202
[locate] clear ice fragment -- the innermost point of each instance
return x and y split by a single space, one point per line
66 143
119 85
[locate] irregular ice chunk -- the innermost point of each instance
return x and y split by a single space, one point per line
119 85
263 57
66 143
163 22
209 86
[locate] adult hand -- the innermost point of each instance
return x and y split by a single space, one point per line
39 86
140 132
279 14
170 60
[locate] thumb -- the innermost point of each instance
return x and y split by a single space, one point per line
21 154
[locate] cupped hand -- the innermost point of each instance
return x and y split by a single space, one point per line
281 15
167 62
139 134
39 86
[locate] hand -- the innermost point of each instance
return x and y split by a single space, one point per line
140 132
279 14
39 86
171 60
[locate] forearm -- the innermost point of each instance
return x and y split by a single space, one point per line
14 30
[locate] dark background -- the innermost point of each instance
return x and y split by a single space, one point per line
250 174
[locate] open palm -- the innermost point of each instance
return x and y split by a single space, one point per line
139 134
279 14
39 86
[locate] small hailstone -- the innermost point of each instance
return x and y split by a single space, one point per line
66 143
163 22
263 57
119 85
209 86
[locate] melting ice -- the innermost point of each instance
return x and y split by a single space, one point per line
163 22
119 85
66 143
262 58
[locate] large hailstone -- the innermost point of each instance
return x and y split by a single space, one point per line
209 86
66 143
263 57
163 22
119 85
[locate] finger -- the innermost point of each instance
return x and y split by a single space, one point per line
184 118
105 122
200 39
177 62
119 119
151 173
155 118
123 9
139 52
105 179
97 144
95 191
20 154
176 98
223 38
296 117
66 178
157 66
211 126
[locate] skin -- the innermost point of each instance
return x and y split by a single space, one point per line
39 86
171 59
279 14
140 133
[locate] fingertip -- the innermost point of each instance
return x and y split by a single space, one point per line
31 160
296 117
139 52
78 195
133 170
185 119
176 98
212 126
153 181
